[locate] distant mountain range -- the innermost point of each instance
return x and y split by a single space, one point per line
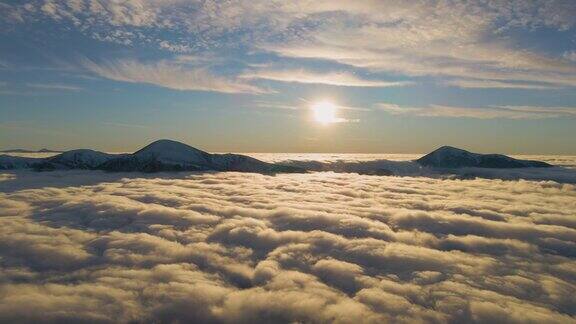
167 155
44 150
162 155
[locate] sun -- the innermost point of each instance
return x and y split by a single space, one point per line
324 112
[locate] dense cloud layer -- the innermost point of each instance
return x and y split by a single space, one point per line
322 247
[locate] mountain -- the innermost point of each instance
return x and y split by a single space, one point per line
167 155
243 163
162 155
75 159
8 162
44 150
451 157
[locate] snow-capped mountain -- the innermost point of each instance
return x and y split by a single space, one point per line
451 157
167 155
162 155
75 159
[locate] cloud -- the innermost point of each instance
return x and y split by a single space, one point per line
491 84
459 40
53 86
168 75
178 48
318 247
471 61
570 55
488 112
123 125
342 79
418 39
11 14
128 13
34 89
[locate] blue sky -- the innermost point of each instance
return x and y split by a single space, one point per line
405 76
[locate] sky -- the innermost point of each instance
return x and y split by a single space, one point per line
245 75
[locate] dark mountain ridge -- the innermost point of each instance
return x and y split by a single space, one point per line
451 157
168 155
43 150
161 155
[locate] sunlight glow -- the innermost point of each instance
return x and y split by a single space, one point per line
324 112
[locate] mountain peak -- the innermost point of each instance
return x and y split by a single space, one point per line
165 144
452 157
170 149
165 141
173 152
449 148
453 151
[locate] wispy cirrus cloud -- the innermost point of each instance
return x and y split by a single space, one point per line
343 79
494 84
405 38
54 86
169 75
124 125
486 112
33 89
486 62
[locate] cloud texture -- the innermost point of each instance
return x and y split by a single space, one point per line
486 112
341 79
321 247
169 75
469 44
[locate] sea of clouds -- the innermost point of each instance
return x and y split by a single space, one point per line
88 246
